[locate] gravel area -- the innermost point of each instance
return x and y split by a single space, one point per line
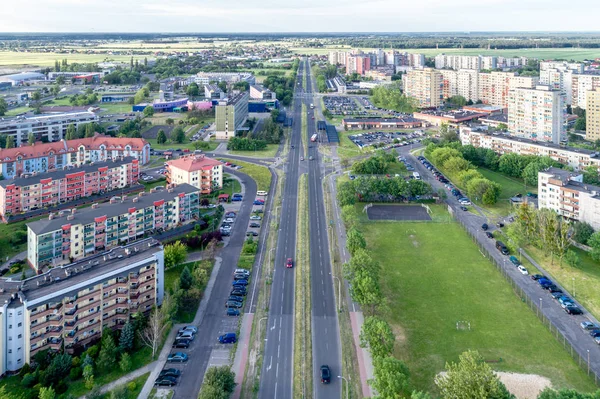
523 386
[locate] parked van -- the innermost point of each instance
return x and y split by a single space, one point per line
502 248
416 176
261 193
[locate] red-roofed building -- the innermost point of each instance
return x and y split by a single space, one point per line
204 173
48 157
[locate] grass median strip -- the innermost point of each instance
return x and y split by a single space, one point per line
304 130
260 174
302 323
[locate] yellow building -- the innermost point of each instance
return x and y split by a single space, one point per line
425 85
593 115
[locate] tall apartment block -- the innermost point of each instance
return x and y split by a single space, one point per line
60 239
494 87
48 157
24 194
204 173
426 85
230 114
44 127
565 193
464 82
593 115
69 306
559 76
456 62
537 114
356 63
580 86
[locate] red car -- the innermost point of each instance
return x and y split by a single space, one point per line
289 263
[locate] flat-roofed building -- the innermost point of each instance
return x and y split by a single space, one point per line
494 87
61 239
230 114
406 122
580 86
213 92
592 115
425 85
204 78
69 307
452 117
259 92
206 174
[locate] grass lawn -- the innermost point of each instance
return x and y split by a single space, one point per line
347 149
150 185
509 187
139 384
269 152
230 186
17 111
118 108
187 311
8 248
431 282
260 174
187 144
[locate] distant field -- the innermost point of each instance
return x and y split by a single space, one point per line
551 53
9 58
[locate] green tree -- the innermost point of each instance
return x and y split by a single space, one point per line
175 254
212 392
3 107
390 378
149 111
590 175
127 337
119 392
582 232
125 362
185 279
71 132
57 370
550 393
36 96
158 322
170 121
571 258
90 130
31 139
88 376
459 101
355 240
178 135
161 138
108 353
60 80
377 335
221 377
420 395
10 142
594 242
366 291
441 155
456 164
47 393
349 216
192 90
580 124
471 378
502 126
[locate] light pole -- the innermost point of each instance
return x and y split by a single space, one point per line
339 291
588 352
520 255
573 287
347 387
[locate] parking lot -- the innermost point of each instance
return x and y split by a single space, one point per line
382 139
397 212
339 105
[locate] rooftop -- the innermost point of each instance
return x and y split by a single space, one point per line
403 119
213 88
234 99
192 163
43 118
22 76
87 215
453 114
59 174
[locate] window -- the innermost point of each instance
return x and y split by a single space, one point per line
19 337
10 326
19 325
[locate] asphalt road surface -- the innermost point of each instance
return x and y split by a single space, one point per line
325 328
201 348
277 370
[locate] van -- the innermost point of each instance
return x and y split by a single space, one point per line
416 176
261 193
502 248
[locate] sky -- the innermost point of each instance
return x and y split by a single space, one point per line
210 16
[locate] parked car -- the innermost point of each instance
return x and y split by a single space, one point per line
242 271
514 260
255 225
255 217
240 276
229 220
595 332
556 295
182 343
489 234
228 338
573 310
230 215
165 381
171 372
522 270
252 233
240 283
236 298
536 277
258 202
189 335
500 224
464 208
325 374
177 357
484 227
233 312
193 329
233 304
239 291
588 325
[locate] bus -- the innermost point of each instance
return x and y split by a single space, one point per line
416 176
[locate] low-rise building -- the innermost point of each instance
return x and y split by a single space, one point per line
204 173
48 157
230 114
565 193
44 127
381 123
479 136
60 239
213 92
68 307
19 79
40 190
259 92
204 78
452 117
116 97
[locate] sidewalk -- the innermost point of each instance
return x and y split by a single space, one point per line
19 256
241 354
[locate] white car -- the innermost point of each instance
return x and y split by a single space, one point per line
255 217
230 220
465 202
522 269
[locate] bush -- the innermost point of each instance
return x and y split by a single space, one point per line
29 380
26 369
93 351
131 386
75 373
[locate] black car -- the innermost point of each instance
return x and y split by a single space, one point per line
166 381
325 374
235 298
182 343
484 226
500 224
536 277
252 233
595 332
573 310
238 292
554 290
240 276
255 225
170 373
489 234
557 294
464 208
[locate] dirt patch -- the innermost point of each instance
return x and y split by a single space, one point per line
152 133
397 212
523 386
399 334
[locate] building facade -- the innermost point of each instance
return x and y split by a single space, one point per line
230 114
566 194
60 239
259 92
580 87
592 115
425 85
456 62
48 157
494 87
38 191
380 123
537 114
479 136
46 127
204 173
204 78
69 306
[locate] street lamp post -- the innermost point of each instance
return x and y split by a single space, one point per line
588 352
573 280
339 291
347 387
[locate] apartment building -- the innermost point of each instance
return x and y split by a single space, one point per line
230 114
337 57
426 85
514 62
592 115
358 63
580 86
559 76
565 193
479 136
213 92
40 190
456 62
69 306
259 92
204 78
47 157
537 114
73 235
495 86
44 127
204 173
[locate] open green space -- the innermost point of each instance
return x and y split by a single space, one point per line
138 384
13 238
150 185
432 282
230 185
260 174
17 111
117 108
509 187
187 144
12 58
188 304
269 152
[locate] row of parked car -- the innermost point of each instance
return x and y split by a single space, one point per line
565 301
462 200
235 301
170 376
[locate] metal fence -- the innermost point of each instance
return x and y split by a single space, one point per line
535 306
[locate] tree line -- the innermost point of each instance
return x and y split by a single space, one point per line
369 189
282 86
391 97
